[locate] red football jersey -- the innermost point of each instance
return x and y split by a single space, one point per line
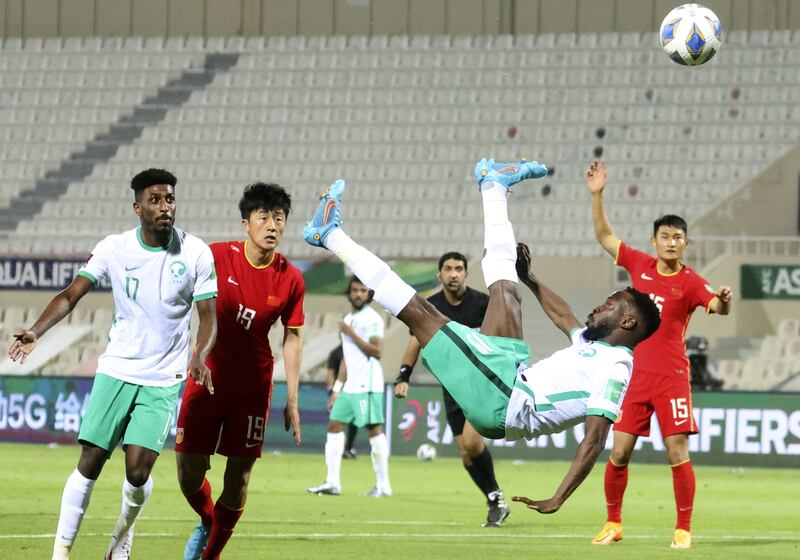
677 296
250 299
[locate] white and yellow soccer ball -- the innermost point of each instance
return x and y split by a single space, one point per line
426 452
691 34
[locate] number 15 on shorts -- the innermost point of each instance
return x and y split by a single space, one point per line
680 409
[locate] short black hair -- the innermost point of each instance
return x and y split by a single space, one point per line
670 220
648 311
264 196
150 177
452 255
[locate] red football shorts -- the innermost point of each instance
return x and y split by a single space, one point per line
224 423
669 397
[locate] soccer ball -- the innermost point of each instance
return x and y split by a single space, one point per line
691 34
426 452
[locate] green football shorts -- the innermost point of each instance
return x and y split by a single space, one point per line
361 409
136 414
478 371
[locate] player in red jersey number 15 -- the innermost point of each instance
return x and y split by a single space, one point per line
661 381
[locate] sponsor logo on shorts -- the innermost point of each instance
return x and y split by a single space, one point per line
179 436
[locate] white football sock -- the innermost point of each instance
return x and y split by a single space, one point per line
380 462
334 447
390 290
74 502
133 500
499 262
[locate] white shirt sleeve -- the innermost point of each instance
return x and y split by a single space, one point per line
96 268
606 396
205 284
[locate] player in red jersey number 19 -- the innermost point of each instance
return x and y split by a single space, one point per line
257 286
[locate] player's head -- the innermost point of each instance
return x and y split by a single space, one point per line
265 208
154 200
358 294
670 237
453 272
628 313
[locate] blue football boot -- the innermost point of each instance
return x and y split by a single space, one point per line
508 174
327 217
197 542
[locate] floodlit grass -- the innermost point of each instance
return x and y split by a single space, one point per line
436 511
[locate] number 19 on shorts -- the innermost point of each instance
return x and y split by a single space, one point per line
255 428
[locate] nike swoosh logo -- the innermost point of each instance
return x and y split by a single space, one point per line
129 268
252 444
232 281
329 206
511 168
685 508
679 422
645 276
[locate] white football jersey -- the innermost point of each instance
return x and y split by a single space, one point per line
154 288
587 378
364 374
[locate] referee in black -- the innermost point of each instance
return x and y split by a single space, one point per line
466 306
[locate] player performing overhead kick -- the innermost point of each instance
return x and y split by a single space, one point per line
487 372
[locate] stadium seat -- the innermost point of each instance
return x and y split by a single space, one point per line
789 328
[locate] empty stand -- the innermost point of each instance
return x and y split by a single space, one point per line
404 119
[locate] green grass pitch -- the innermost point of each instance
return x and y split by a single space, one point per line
436 512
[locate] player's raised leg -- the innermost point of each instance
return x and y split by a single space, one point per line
504 313
401 300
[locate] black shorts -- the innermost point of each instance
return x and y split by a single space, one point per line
455 416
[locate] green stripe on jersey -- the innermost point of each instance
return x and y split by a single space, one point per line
201 297
87 276
567 396
600 412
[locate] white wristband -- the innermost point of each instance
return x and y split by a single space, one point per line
337 386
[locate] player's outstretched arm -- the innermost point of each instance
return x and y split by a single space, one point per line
597 428
292 357
554 306
58 308
410 357
206 337
596 178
